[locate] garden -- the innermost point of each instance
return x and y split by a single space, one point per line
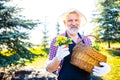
35 69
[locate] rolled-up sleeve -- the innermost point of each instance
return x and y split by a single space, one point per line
88 41
53 50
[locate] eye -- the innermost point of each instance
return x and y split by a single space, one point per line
70 20
76 20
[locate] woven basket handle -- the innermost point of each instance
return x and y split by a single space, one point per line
90 36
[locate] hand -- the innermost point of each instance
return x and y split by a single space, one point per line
100 71
62 52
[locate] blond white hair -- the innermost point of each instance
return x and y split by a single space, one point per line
83 19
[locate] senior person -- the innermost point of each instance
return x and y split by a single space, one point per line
60 56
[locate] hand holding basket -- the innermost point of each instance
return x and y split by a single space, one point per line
85 57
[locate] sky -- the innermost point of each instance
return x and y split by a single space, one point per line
48 12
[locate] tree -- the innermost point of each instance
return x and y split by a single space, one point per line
45 43
107 18
58 28
14 30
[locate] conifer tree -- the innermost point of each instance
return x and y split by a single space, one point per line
107 18
14 30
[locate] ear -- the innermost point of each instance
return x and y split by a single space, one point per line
64 22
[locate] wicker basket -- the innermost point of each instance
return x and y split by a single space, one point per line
85 57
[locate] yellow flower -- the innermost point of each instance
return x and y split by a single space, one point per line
62 40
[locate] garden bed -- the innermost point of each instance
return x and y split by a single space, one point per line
27 73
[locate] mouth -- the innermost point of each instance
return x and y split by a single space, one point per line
74 28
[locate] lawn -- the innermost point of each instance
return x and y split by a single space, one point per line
38 61
114 62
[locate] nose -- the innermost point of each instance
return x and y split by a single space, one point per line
73 22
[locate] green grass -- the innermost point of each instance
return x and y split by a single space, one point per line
38 61
113 59
114 62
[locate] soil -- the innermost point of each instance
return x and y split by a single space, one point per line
28 73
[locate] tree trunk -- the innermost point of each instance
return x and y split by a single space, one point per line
109 44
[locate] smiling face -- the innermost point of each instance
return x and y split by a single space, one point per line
72 22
